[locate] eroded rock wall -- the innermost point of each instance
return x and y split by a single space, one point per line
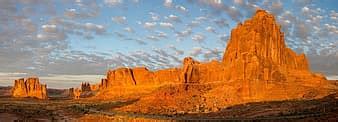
29 88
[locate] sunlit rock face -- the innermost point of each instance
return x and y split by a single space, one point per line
257 66
257 50
29 88
139 76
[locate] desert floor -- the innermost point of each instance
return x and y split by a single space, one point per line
60 109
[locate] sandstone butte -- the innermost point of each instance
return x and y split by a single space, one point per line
29 88
257 66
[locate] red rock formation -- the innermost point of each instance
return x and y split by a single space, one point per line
165 76
139 76
190 72
121 77
257 50
85 87
103 84
142 76
77 93
29 88
257 66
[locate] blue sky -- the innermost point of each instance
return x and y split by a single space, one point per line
85 38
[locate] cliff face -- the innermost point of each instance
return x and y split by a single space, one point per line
257 50
29 88
139 76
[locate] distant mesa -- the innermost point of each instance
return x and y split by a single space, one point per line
30 87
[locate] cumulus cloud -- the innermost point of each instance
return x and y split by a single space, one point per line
49 28
113 2
129 29
152 37
177 51
99 29
184 33
210 29
277 7
149 25
239 2
198 38
81 14
168 3
119 19
174 18
194 23
161 34
302 30
154 16
196 51
181 8
222 23
233 12
166 25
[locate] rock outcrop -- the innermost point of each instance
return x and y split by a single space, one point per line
190 72
257 66
257 50
139 76
29 88
86 90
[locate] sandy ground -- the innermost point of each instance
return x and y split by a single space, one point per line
12 109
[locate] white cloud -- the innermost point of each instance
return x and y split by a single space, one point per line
166 25
161 34
154 16
277 7
233 12
210 29
168 3
149 25
129 29
181 8
154 38
119 19
49 28
177 51
239 2
95 27
222 23
113 2
198 38
184 33
196 51
174 18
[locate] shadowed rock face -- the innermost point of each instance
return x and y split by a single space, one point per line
29 88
